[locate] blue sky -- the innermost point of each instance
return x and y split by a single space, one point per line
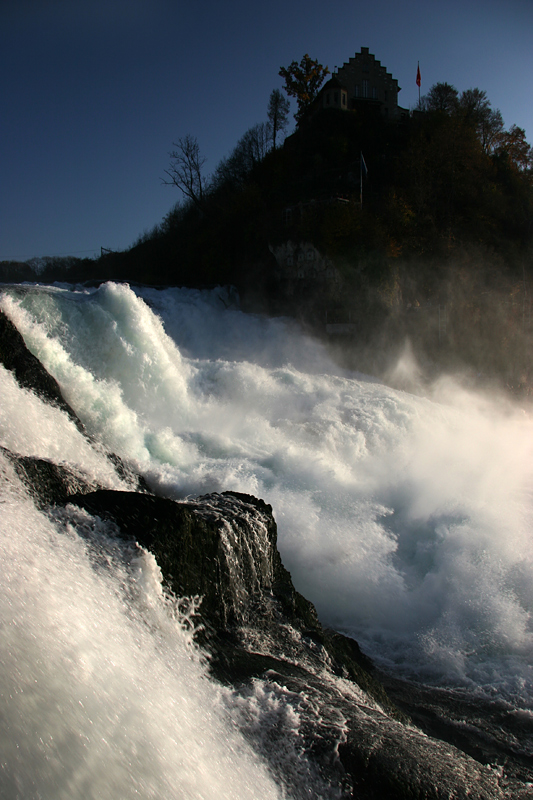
93 92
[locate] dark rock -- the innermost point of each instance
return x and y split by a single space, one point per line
222 547
28 370
494 733
48 483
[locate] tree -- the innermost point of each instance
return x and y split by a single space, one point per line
476 110
278 111
185 170
249 151
303 81
513 144
441 97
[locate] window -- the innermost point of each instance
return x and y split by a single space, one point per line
374 93
287 216
365 87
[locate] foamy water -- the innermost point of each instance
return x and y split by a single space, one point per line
407 520
103 694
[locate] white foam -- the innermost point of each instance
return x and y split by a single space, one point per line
406 519
103 695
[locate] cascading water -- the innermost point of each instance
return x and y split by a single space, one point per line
103 694
406 520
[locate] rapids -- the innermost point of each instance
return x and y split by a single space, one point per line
407 520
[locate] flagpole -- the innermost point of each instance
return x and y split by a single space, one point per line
361 179
363 171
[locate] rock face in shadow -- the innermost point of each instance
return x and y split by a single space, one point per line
255 627
28 370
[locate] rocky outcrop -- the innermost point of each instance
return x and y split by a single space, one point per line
48 483
255 625
223 549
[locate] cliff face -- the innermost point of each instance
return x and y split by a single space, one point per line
219 554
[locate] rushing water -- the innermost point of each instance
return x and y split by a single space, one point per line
407 520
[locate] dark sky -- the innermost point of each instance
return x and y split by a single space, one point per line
93 92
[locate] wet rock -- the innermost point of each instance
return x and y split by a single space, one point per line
256 626
223 548
28 370
48 483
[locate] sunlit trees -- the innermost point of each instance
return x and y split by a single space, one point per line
278 111
513 145
186 170
302 81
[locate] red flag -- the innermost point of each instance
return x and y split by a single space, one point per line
418 79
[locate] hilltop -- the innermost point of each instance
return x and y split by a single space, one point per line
367 230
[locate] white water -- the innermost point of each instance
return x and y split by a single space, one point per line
103 695
406 520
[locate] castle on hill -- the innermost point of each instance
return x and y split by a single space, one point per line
362 82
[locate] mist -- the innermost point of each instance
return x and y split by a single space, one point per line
404 516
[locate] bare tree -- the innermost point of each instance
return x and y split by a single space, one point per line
249 151
278 112
185 170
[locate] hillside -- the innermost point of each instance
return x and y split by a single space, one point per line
433 243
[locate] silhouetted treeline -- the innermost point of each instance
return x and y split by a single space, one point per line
434 185
435 242
49 269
